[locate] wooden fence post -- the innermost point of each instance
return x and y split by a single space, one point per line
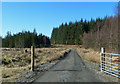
102 59
32 58
111 62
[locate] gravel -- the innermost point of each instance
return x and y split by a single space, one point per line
30 76
101 75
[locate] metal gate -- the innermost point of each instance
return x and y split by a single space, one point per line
110 63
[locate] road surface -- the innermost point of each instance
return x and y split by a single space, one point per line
69 69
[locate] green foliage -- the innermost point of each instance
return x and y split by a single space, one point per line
25 39
72 33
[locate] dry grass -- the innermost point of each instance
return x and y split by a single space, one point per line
12 74
15 62
88 54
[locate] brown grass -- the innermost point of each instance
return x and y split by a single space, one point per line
87 54
12 74
20 61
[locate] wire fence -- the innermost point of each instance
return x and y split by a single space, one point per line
110 63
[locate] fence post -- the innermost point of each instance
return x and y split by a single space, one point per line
102 59
32 58
111 62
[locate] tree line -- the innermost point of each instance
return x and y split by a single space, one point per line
92 34
25 39
104 34
72 33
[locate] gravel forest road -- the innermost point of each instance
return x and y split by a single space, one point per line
69 69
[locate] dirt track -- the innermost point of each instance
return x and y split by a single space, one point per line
70 69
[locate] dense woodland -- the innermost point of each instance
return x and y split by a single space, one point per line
92 34
104 34
25 39
72 33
